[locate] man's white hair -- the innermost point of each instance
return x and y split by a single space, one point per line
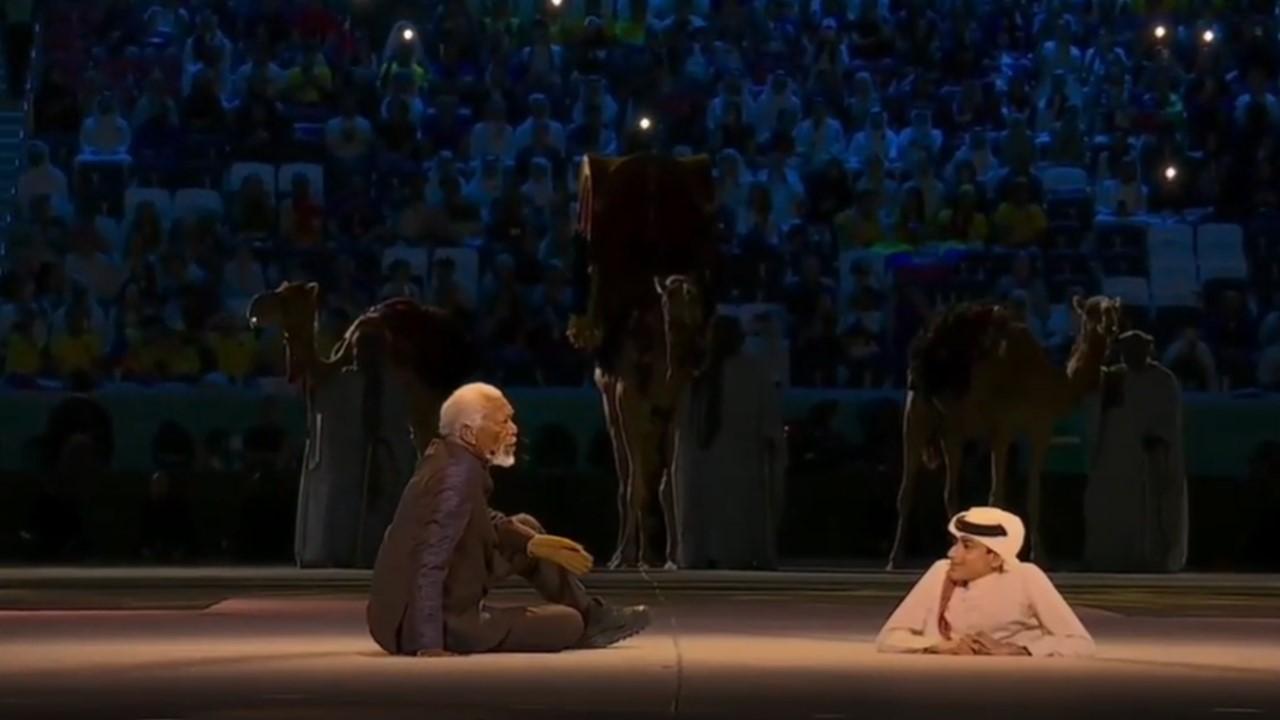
467 407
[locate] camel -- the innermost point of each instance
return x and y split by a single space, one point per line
642 389
1013 389
426 349
646 224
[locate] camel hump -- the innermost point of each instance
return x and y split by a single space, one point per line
429 341
944 353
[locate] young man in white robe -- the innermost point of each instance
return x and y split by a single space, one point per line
981 600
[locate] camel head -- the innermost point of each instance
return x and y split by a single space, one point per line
681 302
1099 316
1099 326
291 307
683 315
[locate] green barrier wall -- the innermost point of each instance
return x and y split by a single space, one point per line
1221 431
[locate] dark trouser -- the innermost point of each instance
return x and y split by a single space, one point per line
18 38
540 628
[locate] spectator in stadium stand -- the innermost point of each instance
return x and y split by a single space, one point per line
202 109
1191 360
819 136
260 62
242 277
42 178
542 147
356 219
1020 222
208 47
493 135
1124 195
86 263
1231 330
78 351
447 126
829 192
155 115
914 227
310 84
24 356
1269 340
302 216
962 221
105 134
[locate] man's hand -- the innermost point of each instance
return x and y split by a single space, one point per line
562 551
435 653
988 645
966 645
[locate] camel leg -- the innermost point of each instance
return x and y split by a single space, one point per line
999 470
643 437
610 393
634 551
646 475
668 496
1039 449
915 437
906 492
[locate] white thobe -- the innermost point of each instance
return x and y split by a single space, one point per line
1019 606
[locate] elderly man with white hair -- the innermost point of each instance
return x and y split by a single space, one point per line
982 600
446 548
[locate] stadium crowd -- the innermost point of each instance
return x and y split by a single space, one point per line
875 159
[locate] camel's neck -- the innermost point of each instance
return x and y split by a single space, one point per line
1084 368
679 359
302 361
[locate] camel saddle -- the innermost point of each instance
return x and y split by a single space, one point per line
645 216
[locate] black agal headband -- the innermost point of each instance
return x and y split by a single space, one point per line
979 529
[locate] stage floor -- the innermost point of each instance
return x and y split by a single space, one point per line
277 643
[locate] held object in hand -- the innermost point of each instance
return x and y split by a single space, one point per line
561 551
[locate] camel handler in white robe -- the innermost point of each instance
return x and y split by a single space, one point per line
1135 505
982 600
730 466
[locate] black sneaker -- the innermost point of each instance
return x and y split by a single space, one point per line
609 625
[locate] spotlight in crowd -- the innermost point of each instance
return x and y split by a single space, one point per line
407 34
1170 172
1160 32
556 3
645 123
1207 36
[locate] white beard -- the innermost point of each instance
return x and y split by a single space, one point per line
504 458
